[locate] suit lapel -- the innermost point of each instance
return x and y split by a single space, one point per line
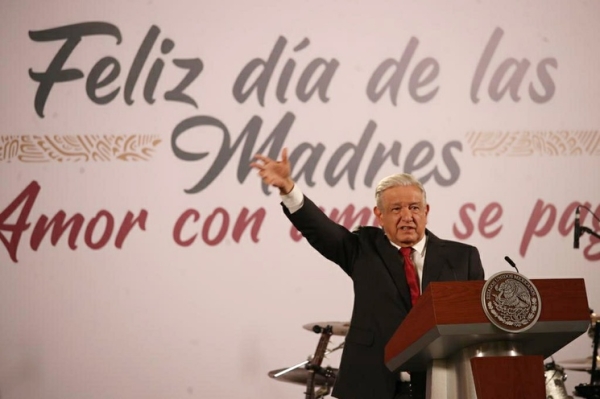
435 259
394 264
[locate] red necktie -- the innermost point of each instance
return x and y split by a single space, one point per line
411 275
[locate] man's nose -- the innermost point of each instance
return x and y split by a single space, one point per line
406 214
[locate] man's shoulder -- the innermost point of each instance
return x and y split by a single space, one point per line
368 231
435 240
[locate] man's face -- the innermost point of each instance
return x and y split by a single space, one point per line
403 215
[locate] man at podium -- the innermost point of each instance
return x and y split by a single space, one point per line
389 266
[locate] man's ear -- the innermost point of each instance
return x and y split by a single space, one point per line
377 214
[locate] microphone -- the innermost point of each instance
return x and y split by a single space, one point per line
510 262
576 230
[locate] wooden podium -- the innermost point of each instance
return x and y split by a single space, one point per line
448 334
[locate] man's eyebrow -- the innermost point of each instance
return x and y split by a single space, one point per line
409 204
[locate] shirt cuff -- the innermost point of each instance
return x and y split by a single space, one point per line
293 200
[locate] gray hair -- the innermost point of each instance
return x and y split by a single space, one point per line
400 179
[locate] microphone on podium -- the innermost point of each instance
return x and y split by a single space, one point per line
510 262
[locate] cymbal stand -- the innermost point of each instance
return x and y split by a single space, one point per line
304 363
314 366
595 378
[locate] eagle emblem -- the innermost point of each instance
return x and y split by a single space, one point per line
511 302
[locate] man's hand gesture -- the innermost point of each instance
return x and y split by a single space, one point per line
275 173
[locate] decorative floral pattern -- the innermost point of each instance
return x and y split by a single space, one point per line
77 148
526 143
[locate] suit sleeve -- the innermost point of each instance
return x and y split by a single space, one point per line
476 271
330 239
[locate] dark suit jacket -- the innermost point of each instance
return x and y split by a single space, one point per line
381 293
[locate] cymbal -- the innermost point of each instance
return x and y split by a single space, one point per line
578 368
300 376
587 360
580 364
337 327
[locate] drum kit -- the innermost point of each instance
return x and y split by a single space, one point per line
318 380
589 364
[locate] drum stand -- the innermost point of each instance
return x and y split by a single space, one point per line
592 390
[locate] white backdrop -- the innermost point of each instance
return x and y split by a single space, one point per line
133 124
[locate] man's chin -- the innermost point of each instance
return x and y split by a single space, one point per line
407 239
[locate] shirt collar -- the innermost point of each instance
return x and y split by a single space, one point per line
420 246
